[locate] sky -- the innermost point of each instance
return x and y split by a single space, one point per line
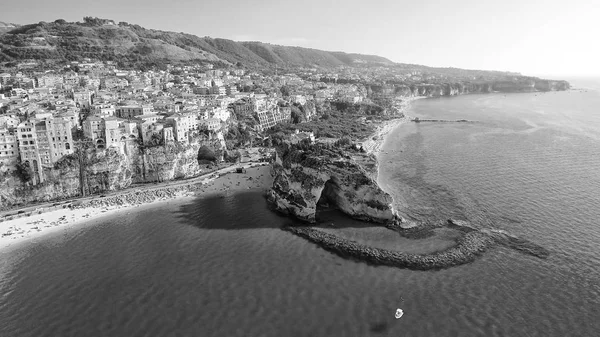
533 37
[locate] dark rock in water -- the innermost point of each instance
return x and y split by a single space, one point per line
379 327
520 244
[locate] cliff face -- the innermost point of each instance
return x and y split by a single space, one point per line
307 176
108 170
525 84
164 164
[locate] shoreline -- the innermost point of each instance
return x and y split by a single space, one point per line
26 227
374 143
471 242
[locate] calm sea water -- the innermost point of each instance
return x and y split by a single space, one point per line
222 267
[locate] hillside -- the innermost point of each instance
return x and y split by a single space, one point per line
5 27
132 44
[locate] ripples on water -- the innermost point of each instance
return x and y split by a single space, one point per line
221 266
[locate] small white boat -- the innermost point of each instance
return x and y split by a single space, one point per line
399 313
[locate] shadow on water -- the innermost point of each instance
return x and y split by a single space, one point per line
235 211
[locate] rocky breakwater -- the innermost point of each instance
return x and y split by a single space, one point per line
306 175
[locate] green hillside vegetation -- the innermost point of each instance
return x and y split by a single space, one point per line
133 45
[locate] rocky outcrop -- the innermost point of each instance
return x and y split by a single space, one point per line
306 175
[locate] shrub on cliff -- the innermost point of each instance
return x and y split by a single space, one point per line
24 172
206 155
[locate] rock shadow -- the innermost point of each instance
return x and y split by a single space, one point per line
237 210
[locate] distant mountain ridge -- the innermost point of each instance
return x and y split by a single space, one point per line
105 40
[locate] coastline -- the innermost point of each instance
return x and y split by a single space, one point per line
470 241
374 143
30 226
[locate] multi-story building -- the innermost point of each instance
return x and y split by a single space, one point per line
29 150
218 90
148 129
211 124
5 78
93 129
103 109
110 131
54 139
8 121
130 111
49 80
183 124
272 116
300 99
9 148
243 107
83 99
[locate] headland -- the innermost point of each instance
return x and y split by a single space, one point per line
346 179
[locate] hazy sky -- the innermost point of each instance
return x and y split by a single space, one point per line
534 37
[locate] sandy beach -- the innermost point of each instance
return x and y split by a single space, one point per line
373 144
36 224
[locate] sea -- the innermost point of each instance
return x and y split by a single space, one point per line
526 163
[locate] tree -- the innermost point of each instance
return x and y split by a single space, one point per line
297 115
155 140
24 171
233 156
285 90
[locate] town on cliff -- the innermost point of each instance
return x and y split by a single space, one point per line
77 127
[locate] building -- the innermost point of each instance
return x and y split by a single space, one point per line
221 113
218 90
93 130
243 107
272 116
83 99
8 121
110 131
300 99
103 110
231 89
130 111
183 125
54 139
29 151
5 78
211 124
49 80
298 136
9 149
147 130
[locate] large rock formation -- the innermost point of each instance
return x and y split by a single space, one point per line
308 174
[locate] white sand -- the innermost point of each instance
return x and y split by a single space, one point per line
24 229
374 143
